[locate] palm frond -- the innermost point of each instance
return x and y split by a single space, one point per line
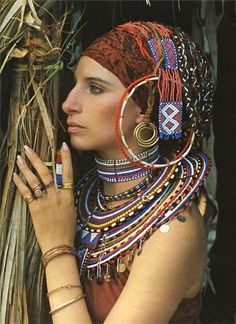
32 39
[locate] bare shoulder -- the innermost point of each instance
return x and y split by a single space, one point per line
169 269
188 229
182 247
185 231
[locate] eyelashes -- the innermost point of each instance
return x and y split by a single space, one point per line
95 89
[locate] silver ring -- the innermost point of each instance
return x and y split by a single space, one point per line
39 191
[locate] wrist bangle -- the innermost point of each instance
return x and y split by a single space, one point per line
62 287
52 253
53 311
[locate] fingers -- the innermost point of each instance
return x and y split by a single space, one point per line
67 171
39 166
32 180
43 172
23 189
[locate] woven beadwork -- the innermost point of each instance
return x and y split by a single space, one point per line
170 54
154 49
170 119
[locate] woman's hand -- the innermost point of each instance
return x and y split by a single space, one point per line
53 214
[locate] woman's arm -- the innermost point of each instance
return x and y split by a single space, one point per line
169 268
62 271
54 220
166 271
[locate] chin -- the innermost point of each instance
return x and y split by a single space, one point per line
103 150
77 144
80 145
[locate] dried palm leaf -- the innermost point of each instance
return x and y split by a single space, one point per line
33 109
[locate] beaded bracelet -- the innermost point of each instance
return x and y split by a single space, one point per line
60 307
62 287
52 253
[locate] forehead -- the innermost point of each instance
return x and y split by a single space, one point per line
88 67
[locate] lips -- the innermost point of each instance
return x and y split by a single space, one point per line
74 128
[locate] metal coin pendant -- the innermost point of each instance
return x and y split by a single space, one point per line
121 267
164 228
107 277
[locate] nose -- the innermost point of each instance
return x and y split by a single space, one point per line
72 104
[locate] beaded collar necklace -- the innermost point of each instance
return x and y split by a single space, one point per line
125 194
106 237
123 170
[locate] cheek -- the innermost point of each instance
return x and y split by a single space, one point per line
107 110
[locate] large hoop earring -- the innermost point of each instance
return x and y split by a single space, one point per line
120 137
141 127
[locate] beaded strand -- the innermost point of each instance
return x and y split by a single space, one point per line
115 171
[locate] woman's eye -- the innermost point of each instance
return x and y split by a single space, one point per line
95 89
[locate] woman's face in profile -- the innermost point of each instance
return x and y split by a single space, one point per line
91 107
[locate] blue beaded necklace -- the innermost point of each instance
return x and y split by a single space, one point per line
122 170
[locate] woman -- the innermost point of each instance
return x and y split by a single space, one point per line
142 102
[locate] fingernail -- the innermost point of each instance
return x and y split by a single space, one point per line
20 160
15 175
28 149
65 147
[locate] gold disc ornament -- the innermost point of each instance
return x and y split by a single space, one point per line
140 136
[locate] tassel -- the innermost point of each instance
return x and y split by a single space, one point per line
107 276
99 274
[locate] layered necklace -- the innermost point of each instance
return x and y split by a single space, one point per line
108 237
115 171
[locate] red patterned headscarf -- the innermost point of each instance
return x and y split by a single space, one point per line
123 52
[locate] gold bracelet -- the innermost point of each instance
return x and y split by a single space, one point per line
62 287
66 304
52 253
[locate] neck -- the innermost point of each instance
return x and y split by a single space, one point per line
120 175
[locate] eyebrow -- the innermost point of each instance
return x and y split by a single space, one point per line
99 80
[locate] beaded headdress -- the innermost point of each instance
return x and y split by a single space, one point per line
183 94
